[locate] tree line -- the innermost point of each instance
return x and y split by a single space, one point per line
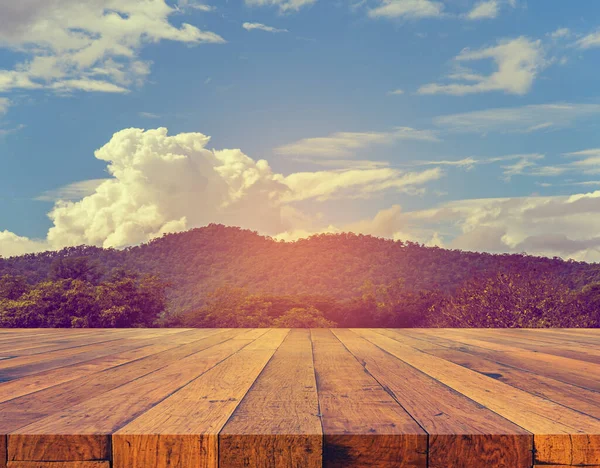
219 276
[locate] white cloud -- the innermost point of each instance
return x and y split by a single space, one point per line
285 6
560 33
354 183
196 6
565 226
161 183
586 162
8 131
12 245
148 115
396 92
518 62
518 119
4 105
484 10
523 163
407 9
590 41
86 46
343 144
262 27
72 192
390 223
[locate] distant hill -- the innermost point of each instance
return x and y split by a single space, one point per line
335 266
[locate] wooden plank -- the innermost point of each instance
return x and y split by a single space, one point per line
549 346
277 423
63 464
29 408
573 371
183 429
83 340
27 365
3 451
461 432
82 432
40 381
362 424
561 435
578 398
26 345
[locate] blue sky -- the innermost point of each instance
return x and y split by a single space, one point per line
459 123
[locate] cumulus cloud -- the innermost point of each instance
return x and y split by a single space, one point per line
165 183
343 144
12 245
392 223
396 92
521 119
518 62
90 46
484 10
262 27
562 225
161 183
285 6
407 9
565 226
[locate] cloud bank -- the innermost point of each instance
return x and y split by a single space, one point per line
161 183
90 46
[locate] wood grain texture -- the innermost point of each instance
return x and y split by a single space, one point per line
24 410
3 451
460 430
299 398
572 396
184 427
277 423
148 347
97 418
581 373
561 435
362 424
37 464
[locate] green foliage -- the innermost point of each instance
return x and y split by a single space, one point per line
13 287
127 300
302 317
220 276
513 300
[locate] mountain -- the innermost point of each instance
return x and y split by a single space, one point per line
335 267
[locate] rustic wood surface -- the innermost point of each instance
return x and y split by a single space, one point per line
299 398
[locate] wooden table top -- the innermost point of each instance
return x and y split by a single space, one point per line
299 398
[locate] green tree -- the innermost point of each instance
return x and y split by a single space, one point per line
78 268
512 300
13 287
302 317
230 307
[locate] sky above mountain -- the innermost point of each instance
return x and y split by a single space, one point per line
458 123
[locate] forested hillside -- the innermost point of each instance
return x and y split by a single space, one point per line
226 276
